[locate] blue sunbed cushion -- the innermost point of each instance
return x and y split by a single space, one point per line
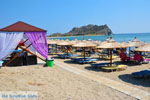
100 64
87 60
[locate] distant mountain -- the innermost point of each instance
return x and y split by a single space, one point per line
87 30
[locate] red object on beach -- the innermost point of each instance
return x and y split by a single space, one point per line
124 57
21 43
138 57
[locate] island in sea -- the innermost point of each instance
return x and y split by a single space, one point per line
86 30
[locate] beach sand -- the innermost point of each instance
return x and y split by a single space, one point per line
55 84
121 76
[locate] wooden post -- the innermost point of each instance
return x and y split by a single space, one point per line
110 57
129 51
84 52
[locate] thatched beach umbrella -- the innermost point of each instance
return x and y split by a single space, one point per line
84 45
109 45
52 41
143 48
134 43
64 43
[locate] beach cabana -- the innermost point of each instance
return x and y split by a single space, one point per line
11 35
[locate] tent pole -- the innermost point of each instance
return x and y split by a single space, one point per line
129 51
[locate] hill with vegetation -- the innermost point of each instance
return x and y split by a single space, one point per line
87 30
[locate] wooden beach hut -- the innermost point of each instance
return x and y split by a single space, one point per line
11 36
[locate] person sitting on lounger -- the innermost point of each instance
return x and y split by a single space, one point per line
138 57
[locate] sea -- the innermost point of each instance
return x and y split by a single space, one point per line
124 37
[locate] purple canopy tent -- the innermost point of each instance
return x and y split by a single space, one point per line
36 36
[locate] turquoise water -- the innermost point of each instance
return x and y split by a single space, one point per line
118 37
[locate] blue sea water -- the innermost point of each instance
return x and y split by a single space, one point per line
118 37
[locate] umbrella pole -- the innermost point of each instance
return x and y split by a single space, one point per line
56 48
129 51
110 57
67 50
84 53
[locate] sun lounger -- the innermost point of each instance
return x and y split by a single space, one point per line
86 61
79 58
114 68
64 56
141 74
100 65
146 60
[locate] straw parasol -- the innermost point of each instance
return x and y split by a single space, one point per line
64 43
125 45
109 45
135 43
52 42
143 48
84 45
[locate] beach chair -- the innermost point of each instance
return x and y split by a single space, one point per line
76 59
64 56
100 65
124 58
83 61
146 60
114 68
138 59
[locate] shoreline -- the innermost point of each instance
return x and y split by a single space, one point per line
77 36
98 35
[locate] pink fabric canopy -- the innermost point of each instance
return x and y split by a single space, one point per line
39 42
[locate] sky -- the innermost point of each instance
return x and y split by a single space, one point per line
122 16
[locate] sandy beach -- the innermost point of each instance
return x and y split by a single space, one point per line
120 76
55 84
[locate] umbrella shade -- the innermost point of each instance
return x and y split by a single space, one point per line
109 45
64 43
135 43
84 45
52 42
144 48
